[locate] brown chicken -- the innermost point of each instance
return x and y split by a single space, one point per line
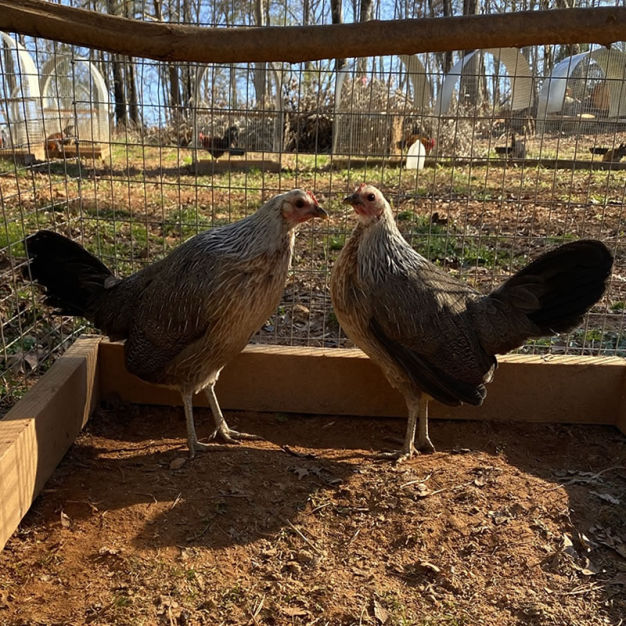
184 317
410 138
436 337
217 146
56 141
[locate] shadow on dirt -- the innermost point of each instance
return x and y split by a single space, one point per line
131 465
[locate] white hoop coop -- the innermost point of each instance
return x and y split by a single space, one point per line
20 108
74 94
586 87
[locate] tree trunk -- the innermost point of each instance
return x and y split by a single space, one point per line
364 16
131 90
186 68
172 73
469 89
260 69
447 56
337 18
9 69
119 95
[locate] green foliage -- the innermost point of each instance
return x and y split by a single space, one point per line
444 243
11 239
336 242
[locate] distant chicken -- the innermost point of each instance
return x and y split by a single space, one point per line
186 316
433 335
56 141
615 154
217 146
4 138
418 147
517 148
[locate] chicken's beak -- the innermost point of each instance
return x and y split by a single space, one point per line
317 211
353 199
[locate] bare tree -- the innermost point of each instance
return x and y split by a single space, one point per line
364 15
336 12
260 69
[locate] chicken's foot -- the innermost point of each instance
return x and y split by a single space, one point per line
222 430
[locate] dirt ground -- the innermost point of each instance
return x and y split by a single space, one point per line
506 524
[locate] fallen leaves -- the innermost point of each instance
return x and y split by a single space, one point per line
66 522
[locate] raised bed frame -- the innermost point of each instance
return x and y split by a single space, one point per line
37 432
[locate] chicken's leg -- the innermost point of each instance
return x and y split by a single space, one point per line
221 427
192 438
418 414
424 444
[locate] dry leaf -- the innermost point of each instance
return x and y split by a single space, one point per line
422 490
430 567
178 462
589 569
380 613
294 611
66 522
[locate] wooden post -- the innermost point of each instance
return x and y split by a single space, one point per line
39 429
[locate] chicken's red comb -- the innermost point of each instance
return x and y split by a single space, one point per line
361 186
310 194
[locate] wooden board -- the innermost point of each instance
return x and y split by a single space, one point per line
233 164
40 428
395 161
23 157
70 151
566 389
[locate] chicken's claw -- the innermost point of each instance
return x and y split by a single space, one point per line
228 435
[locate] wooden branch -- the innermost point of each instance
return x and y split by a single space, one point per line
173 42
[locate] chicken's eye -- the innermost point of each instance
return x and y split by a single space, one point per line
371 197
300 204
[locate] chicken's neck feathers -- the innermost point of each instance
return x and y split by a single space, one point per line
258 234
383 251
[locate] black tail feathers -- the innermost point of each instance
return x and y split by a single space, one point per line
74 279
562 284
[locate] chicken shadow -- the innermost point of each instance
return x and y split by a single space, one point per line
233 494
237 494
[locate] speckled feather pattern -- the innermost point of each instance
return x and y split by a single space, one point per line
186 316
432 333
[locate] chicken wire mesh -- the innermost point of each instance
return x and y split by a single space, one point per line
130 157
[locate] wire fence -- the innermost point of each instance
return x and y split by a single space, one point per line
486 166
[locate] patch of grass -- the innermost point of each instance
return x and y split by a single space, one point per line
336 242
233 595
186 222
439 243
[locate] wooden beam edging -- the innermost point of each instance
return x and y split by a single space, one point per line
40 428
341 162
175 42
569 389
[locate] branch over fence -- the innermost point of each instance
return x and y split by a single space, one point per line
175 42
